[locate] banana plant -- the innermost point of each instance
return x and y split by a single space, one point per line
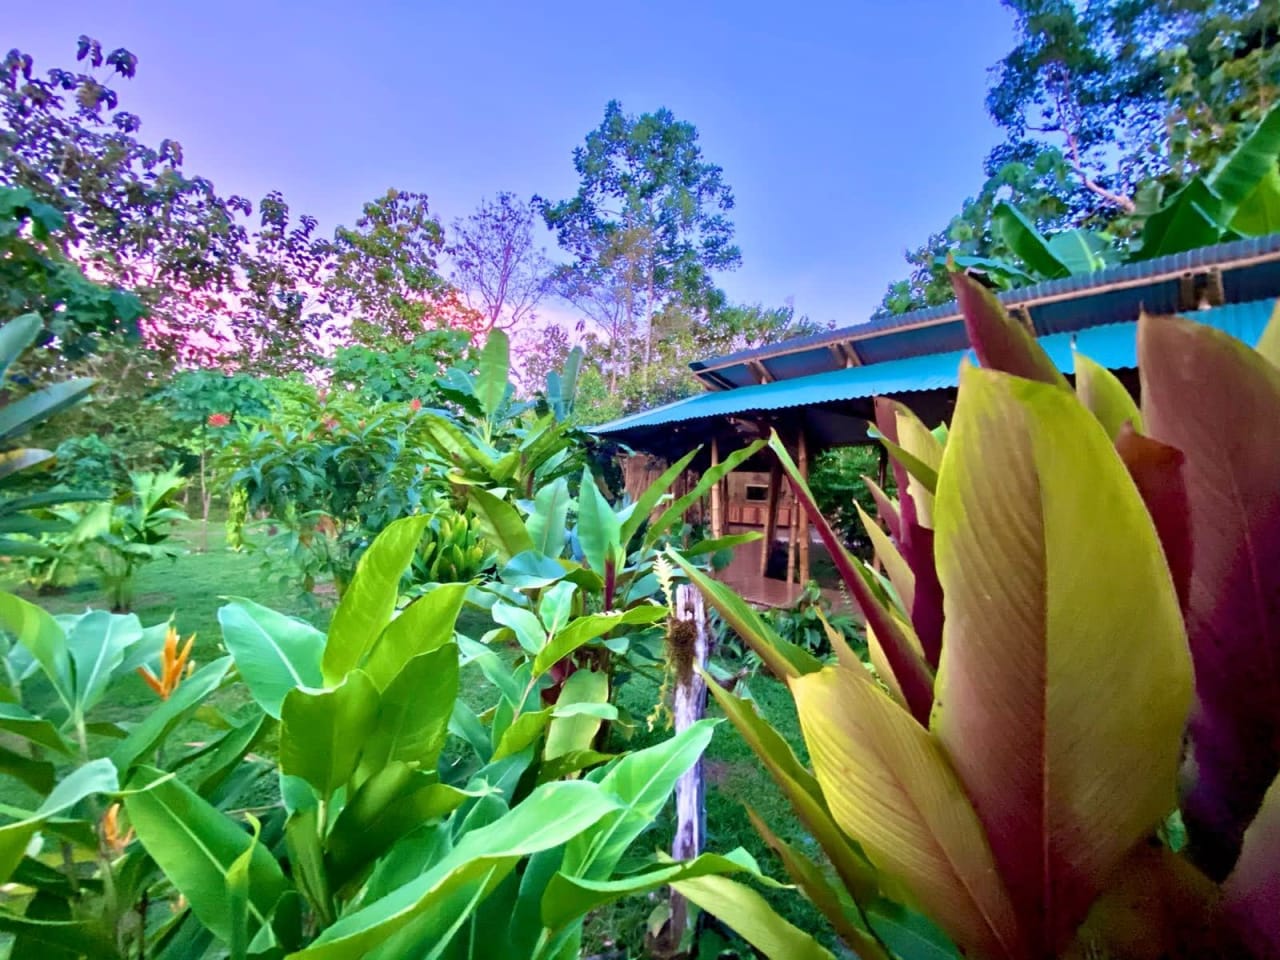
496 441
18 418
378 848
1014 789
76 881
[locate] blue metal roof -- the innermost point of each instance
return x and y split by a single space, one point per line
1112 345
1249 270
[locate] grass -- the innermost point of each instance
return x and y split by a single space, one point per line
192 588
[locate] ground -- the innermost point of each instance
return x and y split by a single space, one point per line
193 586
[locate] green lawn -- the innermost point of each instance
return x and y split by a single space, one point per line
193 587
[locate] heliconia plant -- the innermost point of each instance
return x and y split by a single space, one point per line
1073 588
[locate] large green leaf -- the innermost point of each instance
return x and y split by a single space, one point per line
323 731
642 782
16 335
1080 251
891 789
96 643
157 724
1259 214
1060 701
1250 163
546 525
1190 219
424 625
389 805
22 415
585 629
413 712
570 898
79 938
599 529
494 369
43 637
751 917
196 846
1027 243
274 653
370 598
97 776
841 910
17 720
577 731
550 816
500 523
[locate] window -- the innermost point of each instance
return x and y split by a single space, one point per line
757 493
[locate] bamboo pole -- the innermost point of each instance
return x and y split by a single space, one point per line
717 495
771 515
803 529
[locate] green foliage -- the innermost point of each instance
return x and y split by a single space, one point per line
398 372
836 479
37 277
88 463
126 535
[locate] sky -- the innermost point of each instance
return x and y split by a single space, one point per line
849 131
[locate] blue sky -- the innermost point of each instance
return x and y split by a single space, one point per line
848 131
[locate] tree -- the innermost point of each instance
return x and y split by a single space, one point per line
385 277
279 322
498 267
1105 105
650 215
132 214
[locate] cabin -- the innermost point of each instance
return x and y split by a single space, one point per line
818 391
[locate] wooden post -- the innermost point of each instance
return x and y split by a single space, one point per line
771 515
792 538
717 495
689 647
803 529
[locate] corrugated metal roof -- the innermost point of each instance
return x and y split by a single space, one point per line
1112 345
1250 268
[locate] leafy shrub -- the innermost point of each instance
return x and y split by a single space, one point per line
836 480
89 463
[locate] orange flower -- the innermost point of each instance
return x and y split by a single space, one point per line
172 665
415 404
219 420
111 835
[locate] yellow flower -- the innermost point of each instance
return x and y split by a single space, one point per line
172 665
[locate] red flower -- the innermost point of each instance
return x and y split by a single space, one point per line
219 420
415 404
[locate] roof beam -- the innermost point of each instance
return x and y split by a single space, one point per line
760 371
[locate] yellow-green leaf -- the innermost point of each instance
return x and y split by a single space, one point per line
1105 396
1065 677
891 789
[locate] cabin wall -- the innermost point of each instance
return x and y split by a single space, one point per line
747 494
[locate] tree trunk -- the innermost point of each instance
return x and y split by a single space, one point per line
689 647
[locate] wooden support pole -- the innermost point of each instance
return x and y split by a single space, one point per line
717 495
689 647
771 515
803 530
792 538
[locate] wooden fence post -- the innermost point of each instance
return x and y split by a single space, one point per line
803 531
717 495
689 647
771 515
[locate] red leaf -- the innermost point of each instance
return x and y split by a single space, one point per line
1218 401
1000 342
1156 469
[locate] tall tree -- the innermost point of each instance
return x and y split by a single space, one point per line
497 264
132 213
386 276
650 212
